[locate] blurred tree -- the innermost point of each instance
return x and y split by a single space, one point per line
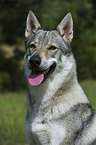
12 18
49 13
11 74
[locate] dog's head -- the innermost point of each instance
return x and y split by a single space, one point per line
44 49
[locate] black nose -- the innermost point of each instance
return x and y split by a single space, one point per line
35 61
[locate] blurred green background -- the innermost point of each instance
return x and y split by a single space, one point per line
13 14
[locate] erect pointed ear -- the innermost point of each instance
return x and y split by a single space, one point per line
66 28
32 24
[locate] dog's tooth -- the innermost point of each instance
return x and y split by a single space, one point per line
46 71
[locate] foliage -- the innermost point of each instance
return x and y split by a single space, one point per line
11 76
12 26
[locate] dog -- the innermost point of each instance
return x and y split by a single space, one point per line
58 111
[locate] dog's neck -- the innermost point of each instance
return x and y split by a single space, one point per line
45 99
49 89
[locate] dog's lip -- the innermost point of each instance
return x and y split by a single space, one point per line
46 72
49 71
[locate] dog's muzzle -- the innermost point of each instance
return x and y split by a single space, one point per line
39 75
35 61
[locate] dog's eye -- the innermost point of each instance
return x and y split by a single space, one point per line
32 45
52 48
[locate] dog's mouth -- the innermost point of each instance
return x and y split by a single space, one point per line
37 77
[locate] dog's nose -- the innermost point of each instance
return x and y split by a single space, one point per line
35 60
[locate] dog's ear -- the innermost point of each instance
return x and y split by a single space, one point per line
32 24
66 28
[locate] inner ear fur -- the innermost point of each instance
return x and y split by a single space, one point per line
32 24
65 28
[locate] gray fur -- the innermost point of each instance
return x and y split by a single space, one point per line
58 111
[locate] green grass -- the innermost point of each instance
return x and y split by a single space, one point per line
89 87
13 113
12 118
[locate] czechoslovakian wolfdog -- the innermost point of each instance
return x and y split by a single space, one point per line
59 112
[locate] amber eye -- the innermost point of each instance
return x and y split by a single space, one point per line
52 48
32 45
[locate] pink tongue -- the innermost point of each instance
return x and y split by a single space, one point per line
35 79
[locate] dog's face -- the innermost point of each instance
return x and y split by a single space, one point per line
44 49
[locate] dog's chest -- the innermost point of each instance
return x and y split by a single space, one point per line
45 132
57 130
